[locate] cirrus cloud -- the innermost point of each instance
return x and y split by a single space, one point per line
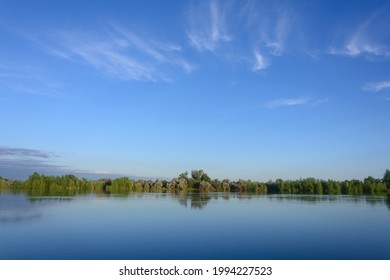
207 26
220 27
377 86
371 38
116 51
288 102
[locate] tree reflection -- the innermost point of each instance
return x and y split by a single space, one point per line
199 200
196 200
181 197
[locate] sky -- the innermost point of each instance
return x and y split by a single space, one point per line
246 89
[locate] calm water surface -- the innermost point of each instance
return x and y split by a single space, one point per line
194 226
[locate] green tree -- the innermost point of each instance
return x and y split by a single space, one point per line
192 183
241 185
346 187
217 185
386 178
3 184
158 185
272 187
262 189
252 187
200 175
36 184
284 187
122 185
369 185
318 189
177 184
205 186
226 185
147 185
184 175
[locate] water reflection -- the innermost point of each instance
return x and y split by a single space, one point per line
16 208
35 199
158 225
18 204
197 200
315 199
13 217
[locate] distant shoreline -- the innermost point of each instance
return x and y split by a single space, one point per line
198 180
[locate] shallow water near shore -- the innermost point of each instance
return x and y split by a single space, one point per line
194 226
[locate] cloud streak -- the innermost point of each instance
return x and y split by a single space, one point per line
221 27
20 152
370 38
285 102
26 79
378 86
275 29
260 62
207 27
217 27
116 52
288 102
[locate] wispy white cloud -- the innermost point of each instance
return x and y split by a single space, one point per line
233 29
275 37
360 45
251 34
370 38
287 102
260 62
377 86
314 103
102 172
165 53
117 52
271 24
106 58
207 26
275 48
27 79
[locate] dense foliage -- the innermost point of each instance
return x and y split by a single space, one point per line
38 184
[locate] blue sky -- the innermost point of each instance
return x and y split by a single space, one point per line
241 89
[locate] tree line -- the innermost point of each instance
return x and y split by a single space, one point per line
198 180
